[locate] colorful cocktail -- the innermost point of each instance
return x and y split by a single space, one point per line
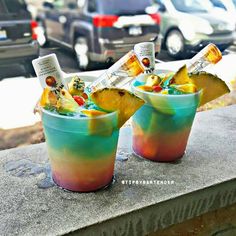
162 126
81 150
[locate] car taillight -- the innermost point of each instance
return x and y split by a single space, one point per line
34 26
156 17
104 20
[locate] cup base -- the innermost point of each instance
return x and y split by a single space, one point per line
174 160
86 191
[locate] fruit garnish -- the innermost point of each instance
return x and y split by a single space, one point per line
165 91
185 88
157 88
153 80
120 100
99 126
93 113
165 80
66 104
80 100
145 88
76 86
181 76
210 85
48 98
84 95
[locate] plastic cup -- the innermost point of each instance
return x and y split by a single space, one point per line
161 127
81 150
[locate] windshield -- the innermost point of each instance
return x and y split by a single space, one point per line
234 2
12 6
118 7
13 10
192 5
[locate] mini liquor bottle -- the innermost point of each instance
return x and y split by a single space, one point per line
119 74
208 55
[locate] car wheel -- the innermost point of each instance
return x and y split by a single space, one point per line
81 53
175 44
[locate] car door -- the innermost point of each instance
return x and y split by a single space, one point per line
15 23
55 20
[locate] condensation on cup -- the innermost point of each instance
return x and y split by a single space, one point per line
146 54
49 72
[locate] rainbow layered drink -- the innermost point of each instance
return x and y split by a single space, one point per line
82 133
162 126
81 150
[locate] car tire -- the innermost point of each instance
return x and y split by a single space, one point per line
174 43
82 55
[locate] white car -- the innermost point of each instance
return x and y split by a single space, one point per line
189 25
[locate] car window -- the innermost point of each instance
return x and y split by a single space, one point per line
234 2
59 4
92 6
218 3
12 6
122 7
192 5
13 9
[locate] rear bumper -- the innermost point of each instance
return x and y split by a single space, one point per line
18 53
222 42
114 50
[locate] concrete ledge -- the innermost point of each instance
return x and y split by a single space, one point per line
204 180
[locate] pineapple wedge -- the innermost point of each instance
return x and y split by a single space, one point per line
181 76
93 113
48 98
98 126
66 103
120 100
212 86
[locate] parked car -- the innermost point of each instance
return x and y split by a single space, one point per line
227 5
99 30
189 25
18 39
230 7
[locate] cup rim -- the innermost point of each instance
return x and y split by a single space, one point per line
165 95
78 118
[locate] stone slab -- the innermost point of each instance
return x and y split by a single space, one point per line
204 180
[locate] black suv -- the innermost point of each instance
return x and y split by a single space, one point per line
18 39
99 30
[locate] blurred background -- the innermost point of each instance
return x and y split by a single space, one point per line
91 35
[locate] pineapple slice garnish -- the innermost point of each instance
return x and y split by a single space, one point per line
212 86
120 100
181 76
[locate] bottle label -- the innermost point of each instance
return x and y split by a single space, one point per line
49 72
146 55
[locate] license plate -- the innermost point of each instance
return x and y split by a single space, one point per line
3 34
135 30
